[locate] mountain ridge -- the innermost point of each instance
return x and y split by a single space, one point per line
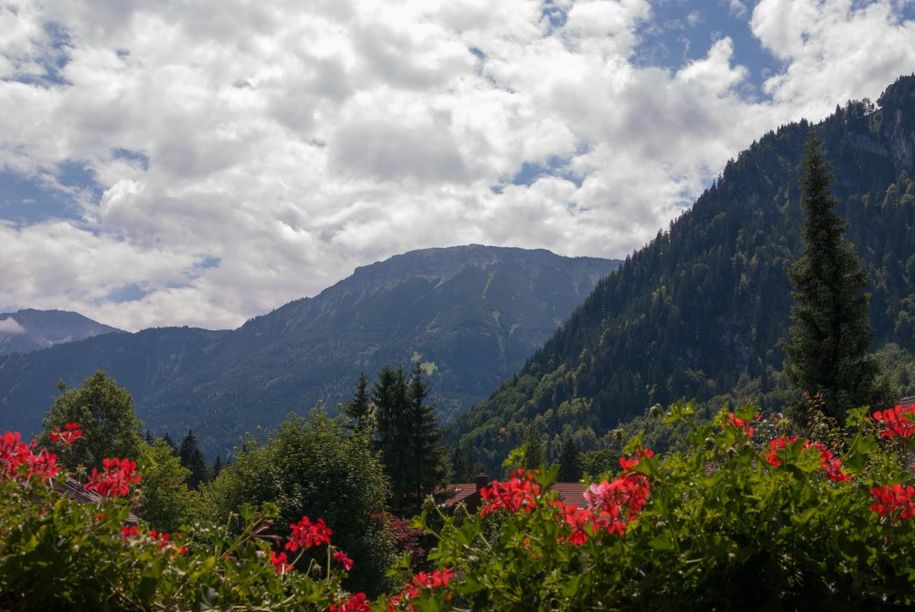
471 314
30 329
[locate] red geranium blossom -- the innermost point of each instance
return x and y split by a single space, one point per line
894 501
344 560
71 434
43 465
518 493
831 464
13 453
357 602
895 422
740 424
579 519
437 579
279 562
115 478
306 534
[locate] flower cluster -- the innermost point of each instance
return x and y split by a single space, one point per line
115 478
357 602
14 453
617 503
896 422
518 493
69 435
832 466
306 534
436 579
894 501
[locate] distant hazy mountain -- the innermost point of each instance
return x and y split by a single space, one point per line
472 315
31 330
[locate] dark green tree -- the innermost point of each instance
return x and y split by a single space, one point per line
316 468
426 457
217 467
534 454
105 413
359 408
569 461
393 439
192 458
827 355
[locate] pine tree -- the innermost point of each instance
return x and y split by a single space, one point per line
359 408
569 461
425 456
168 440
827 353
534 455
217 467
192 459
392 408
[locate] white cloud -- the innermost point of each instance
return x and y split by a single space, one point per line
251 153
10 325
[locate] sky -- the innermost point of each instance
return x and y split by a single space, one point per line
198 163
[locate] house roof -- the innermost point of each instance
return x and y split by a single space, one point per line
907 402
468 494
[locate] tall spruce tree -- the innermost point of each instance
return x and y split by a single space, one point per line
827 353
358 408
192 458
392 441
569 461
426 456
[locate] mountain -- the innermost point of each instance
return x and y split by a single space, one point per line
470 314
31 330
699 311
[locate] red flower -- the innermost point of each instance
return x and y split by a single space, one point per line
129 531
356 603
13 453
831 464
616 504
740 424
437 579
345 561
894 501
115 478
43 465
579 519
895 422
279 562
71 434
518 493
306 534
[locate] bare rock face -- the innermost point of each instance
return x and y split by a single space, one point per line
31 330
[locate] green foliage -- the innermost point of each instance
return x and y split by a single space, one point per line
60 554
827 355
165 500
316 467
106 415
729 524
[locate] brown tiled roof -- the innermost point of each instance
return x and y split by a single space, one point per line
907 402
466 493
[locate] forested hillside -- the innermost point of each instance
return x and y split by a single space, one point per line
471 315
700 310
